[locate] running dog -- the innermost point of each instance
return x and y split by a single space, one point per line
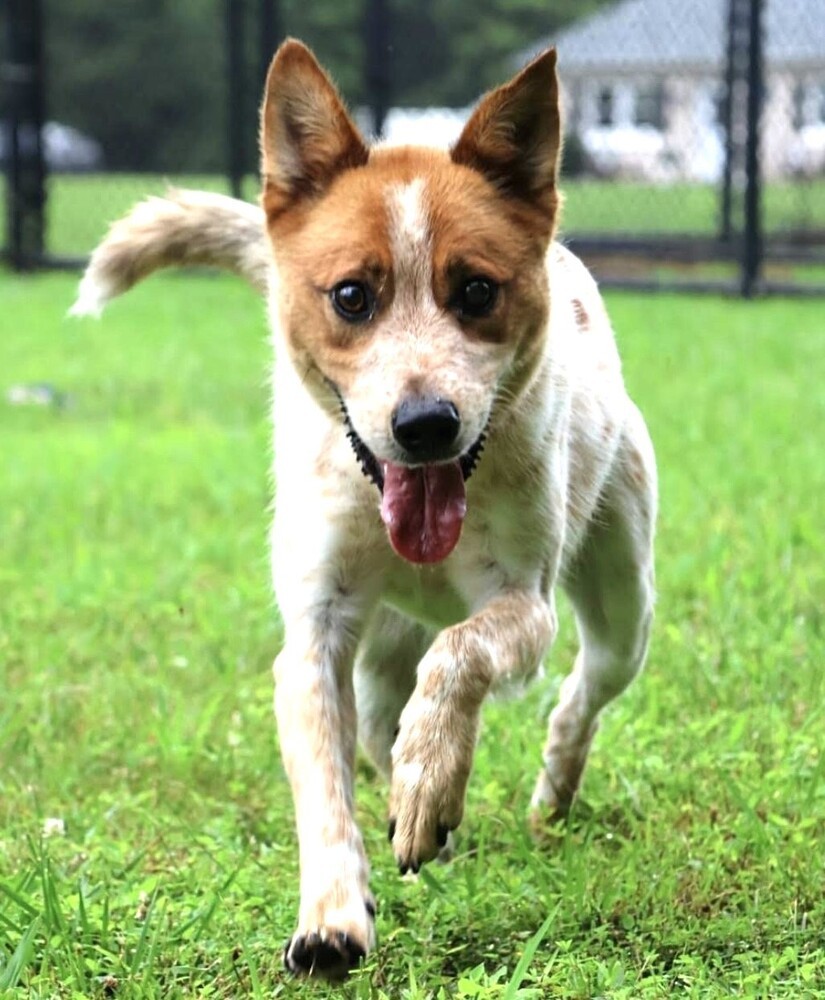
452 440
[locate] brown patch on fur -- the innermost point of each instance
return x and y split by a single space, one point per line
478 231
341 235
346 234
514 630
582 319
636 469
307 137
513 137
490 210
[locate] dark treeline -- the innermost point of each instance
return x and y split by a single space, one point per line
147 78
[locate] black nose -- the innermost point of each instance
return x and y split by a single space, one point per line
426 427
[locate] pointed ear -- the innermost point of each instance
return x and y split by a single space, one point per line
514 135
307 137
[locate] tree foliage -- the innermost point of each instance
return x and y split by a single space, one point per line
148 78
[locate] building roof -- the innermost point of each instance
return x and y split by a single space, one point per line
665 34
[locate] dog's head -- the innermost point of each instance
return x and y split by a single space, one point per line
412 288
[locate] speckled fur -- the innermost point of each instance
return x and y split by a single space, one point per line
565 492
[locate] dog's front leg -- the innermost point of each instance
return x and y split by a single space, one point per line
433 753
315 709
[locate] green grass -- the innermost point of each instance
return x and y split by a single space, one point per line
598 206
137 632
81 207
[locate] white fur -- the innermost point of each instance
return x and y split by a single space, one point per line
411 247
92 295
565 494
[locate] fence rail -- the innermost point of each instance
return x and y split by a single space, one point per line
695 153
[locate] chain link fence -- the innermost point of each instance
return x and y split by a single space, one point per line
658 97
695 148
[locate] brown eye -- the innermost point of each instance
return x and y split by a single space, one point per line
353 301
476 297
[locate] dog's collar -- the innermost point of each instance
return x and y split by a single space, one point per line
369 463
366 459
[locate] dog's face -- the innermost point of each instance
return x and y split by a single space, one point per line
412 292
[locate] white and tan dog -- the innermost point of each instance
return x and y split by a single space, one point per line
452 439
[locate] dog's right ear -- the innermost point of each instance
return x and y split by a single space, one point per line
307 137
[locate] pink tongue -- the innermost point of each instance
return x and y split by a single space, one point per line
423 510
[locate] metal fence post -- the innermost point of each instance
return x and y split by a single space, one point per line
235 91
741 195
752 244
271 34
22 73
377 62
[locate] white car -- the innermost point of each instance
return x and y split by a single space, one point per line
65 149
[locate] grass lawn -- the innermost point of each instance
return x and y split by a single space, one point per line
146 839
81 207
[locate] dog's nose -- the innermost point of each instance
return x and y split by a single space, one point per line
426 426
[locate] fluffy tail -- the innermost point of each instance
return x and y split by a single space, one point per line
184 227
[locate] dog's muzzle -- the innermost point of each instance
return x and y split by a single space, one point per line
423 503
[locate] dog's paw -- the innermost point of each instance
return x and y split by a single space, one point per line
431 763
332 950
551 801
334 932
327 953
547 825
558 783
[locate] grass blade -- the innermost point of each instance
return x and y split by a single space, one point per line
10 976
511 992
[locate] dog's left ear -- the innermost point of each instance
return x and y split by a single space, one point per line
514 135
307 137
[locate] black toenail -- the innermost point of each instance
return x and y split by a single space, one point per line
391 830
355 953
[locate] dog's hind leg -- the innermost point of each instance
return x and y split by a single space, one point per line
385 678
610 585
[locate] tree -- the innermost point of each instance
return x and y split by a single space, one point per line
147 78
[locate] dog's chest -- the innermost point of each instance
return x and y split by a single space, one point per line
501 547
425 594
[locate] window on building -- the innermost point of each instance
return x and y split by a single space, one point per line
650 105
798 106
605 106
808 104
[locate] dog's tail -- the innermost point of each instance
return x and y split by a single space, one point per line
181 228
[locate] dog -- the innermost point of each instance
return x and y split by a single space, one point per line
452 440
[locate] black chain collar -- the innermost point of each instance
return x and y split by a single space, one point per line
366 459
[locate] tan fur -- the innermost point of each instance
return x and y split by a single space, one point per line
564 491
180 229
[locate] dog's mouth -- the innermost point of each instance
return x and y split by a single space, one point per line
422 506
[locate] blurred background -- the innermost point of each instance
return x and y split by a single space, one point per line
695 131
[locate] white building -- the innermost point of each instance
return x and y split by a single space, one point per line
643 87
